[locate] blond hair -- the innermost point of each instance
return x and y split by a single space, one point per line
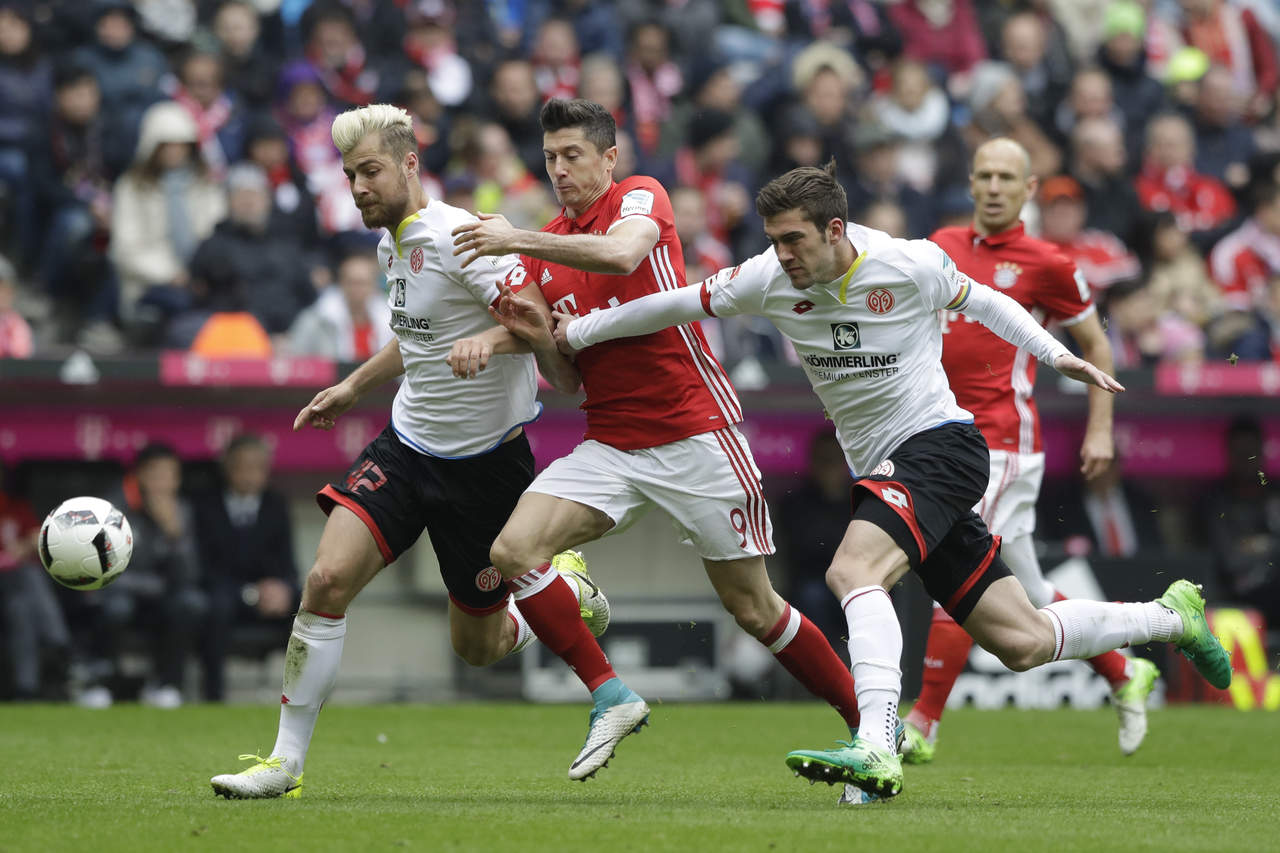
391 121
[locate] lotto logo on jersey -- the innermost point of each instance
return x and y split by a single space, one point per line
398 292
1006 275
880 301
415 260
845 336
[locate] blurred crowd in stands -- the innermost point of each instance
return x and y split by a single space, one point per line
167 177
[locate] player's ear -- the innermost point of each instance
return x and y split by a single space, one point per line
611 156
411 162
835 231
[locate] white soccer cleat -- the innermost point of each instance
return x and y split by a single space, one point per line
608 727
1130 700
592 604
265 780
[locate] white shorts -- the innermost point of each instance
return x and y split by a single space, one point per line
708 484
1009 504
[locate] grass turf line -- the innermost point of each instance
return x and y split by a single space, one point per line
703 777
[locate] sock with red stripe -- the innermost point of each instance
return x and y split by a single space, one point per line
1085 629
875 647
550 607
1112 666
524 634
311 663
944 658
804 651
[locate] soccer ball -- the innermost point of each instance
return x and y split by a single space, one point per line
85 543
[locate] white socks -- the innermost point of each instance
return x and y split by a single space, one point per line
1019 554
1083 629
524 634
310 669
875 647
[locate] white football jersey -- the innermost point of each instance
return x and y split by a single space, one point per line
434 302
870 341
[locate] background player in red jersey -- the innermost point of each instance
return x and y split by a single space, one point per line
661 417
993 380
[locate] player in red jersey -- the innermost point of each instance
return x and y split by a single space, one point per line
993 380
661 427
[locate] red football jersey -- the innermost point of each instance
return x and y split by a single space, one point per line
647 390
991 377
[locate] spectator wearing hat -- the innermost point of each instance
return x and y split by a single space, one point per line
248 68
712 85
827 84
1099 256
1224 145
164 206
1169 180
1122 55
998 107
15 333
1099 163
128 69
1232 37
350 320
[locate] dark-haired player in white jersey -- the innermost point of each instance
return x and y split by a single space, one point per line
453 460
861 309
661 427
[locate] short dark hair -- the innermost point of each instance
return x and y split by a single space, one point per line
243 440
155 450
1264 194
595 121
811 189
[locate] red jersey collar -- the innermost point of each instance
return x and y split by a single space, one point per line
1000 238
587 218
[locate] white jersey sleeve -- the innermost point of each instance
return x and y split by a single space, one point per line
740 289
482 277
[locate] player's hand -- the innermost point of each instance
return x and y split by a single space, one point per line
491 234
561 333
1082 371
325 408
522 318
1096 455
275 598
469 356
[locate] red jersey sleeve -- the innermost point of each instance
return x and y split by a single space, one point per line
641 195
1063 293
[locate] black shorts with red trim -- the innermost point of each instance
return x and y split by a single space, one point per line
461 503
926 491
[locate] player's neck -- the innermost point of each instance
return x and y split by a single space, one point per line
583 207
984 230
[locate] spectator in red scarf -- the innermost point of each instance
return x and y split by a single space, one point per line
335 51
220 122
556 59
654 79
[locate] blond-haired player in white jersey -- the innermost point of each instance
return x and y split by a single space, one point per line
453 460
861 309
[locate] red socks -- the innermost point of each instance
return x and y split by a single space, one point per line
804 651
551 609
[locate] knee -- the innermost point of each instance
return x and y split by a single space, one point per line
511 555
755 611
329 586
1021 651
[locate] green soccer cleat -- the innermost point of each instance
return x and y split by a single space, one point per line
863 764
266 779
1197 643
592 605
916 748
1130 700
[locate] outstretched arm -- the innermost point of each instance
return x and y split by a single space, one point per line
1009 320
327 406
1098 448
618 252
641 316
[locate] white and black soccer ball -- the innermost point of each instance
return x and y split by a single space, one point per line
85 543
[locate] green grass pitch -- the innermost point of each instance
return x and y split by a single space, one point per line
491 777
